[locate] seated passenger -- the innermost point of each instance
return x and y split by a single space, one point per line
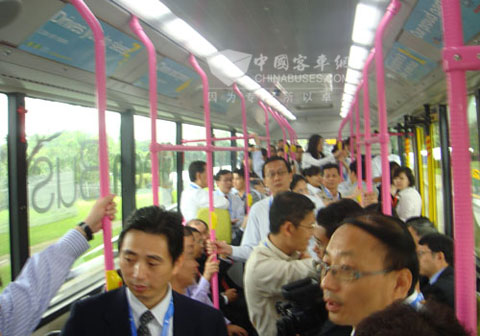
349 188
331 180
278 260
314 180
299 185
409 200
195 197
435 254
150 247
419 227
223 179
23 301
370 262
278 175
183 281
240 189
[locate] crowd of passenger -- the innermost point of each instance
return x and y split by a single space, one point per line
305 217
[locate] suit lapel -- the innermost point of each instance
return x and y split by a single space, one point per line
116 318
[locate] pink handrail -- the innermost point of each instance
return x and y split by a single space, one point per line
358 150
101 86
275 116
392 10
250 136
245 143
152 75
454 54
366 118
183 148
267 128
291 132
208 131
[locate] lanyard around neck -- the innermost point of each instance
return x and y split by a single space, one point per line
166 319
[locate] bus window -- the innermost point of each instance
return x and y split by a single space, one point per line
223 159
475 167
167 163
5 275
191 132
63 178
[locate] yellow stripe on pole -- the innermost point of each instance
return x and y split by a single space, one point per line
419 133
432 179
113 280
408 149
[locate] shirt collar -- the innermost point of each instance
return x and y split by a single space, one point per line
435 277
159 311
280 253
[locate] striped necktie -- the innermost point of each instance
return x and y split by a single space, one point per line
144 320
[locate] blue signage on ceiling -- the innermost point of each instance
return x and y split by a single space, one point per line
172 78
425 21
66 38
408 63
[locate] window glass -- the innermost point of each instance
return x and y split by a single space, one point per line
475 167
63 178
223 159
5 276
191 132
167 163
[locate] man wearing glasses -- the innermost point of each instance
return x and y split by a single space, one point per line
369 263
277 177
279 259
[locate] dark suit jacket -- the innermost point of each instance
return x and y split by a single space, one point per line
443 289
107 314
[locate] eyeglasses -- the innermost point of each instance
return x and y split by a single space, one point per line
280 173
308 226
344 273
421 253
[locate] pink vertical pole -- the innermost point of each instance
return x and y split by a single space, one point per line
245 142
352 136
267 128
101 85
289 129
275 116
152 75
392 9
366 119
208 130
465 302
358 137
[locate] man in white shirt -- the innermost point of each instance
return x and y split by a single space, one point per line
223 179
151 246
278 260
278 175
194 196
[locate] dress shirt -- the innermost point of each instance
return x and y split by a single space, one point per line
155 326
23 301
314 191
308 160
258 228
236 207
266 271
199 292
257 163
347 188
409 204
415 300
194 198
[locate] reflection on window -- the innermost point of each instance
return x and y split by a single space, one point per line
167 163
63 177
223 159
191 132
5 276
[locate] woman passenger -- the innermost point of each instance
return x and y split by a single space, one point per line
409 202
314 155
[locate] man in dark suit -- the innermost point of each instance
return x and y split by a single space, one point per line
150 246
435 254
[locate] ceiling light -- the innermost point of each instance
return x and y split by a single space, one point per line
353 76
357 57
366 20
350 88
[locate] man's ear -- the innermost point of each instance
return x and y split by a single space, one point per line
440 256
177 265
403 282
287 228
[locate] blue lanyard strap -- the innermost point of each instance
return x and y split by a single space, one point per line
194 186
166 319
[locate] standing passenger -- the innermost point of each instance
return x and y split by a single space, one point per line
150 246
409 200
314 155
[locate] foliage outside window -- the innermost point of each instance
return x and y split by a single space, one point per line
5 276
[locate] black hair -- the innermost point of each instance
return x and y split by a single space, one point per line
197 220
397 240
408 172
438 242
264 152
393 167
289 206
158 221
220 173
194 168
296 178
188 231
421 225
330 166
313 145
312 171
399 319
276 158
240 172
353 168
333 215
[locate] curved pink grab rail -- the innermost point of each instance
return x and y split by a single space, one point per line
291 132
358 150
100 76
276 117
267 128
245 143
454 53
208 131
366 118
152 77
392 10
